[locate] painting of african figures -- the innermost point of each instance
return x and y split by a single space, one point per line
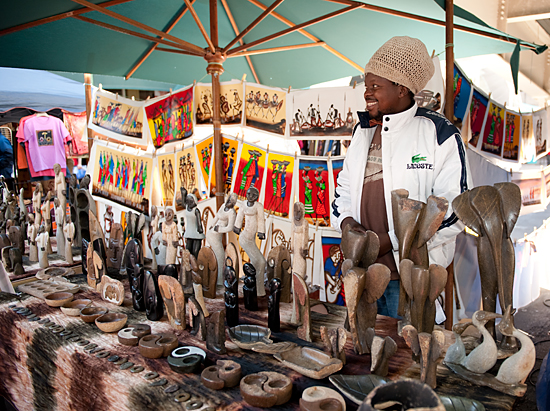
167 178
313 190
278 192
231 103
187 176
250 172
117 114
265 108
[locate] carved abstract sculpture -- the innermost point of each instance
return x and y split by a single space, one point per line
111 290
189 266
266 389
132 255
116 247
428 347
195 318
278 266
334 340
249 288
153 299
194 232
319 398
60 221
301 307
37 203
197 290
363 289
60 188
42 243
170 237
174 301
225 374
492 212
69 231
232 253
215 337
231 296
136 279
381 350
274 317
16 238
99 269
423 286
47 219
300 242
409 394
254 224
158 345
360 247
13 260
223 223
32 231
208 270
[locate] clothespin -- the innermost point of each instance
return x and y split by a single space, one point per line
505 105
170 91
267 148
329 154
100 86
117 96
174 149
244 77
433 53
133 98
194 83
289 87
354 84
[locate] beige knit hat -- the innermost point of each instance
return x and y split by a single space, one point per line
403 60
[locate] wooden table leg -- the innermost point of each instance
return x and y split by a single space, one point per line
449 297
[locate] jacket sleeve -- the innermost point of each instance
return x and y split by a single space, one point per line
452 177
341 206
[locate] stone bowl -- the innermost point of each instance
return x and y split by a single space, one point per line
247 335
58 299
89 314
72 308
111 322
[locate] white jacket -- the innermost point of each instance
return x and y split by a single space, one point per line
423 153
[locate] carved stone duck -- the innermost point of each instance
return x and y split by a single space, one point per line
484 356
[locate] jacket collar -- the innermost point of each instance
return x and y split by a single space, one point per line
392 121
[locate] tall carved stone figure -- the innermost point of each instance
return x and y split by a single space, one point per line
42 243
300 241
60 186
170 237
194 233
223 223
32 231
254 224
37 203
69 231
45 209
60 221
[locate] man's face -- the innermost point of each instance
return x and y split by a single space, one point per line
382 96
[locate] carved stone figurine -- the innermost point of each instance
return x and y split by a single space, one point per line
37 203
231 296
215 337
274 317
208 270
116 246
249 288
32 231
153 299
47 217
170 237
428 347
69 231
381 350
195 318
158 250
492 212
223 223
301 307
334 340
300 243
197 289
60 220
174 301
60 186
188 266
254 224
42 243
134 270
194 233
278 266
108 219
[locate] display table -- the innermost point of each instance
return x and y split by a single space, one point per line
41 370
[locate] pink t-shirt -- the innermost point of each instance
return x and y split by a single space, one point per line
46 137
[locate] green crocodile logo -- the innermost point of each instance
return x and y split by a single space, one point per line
417 159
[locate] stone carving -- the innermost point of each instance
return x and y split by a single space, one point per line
136 278
111 290
423 286
132 334
409 394
47 219
16 237
37 203
231 296
363 289
32 231
215 337
42 243
360 247
492 212
170 237
116 247
153 299
197 290
428 347
186 360
381 350
174 301
321 398
132 255
415 223
208 270
189 266
274 318
69 232
98 267
232 253
60 221
334 341
254 225
225 374
278 266
13 260
194 232
196 318
299 242
266 389
249 288
158 250
301 307
60 188
158 345
223 223
311 362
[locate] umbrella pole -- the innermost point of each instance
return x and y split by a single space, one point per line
449 113
88 91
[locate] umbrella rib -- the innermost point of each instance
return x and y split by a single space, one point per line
310 36
276 49
130 32
152 48
201 27
236 30
435 22
57 17
292 29
177 51
185 45
253 24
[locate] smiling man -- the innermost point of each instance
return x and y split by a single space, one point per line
397 145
